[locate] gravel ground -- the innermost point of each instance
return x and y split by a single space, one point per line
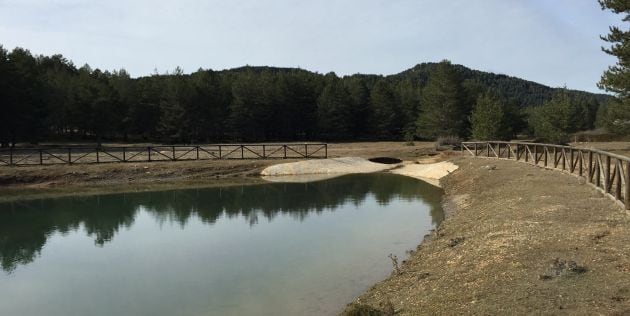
519 240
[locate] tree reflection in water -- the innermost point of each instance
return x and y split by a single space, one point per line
26 226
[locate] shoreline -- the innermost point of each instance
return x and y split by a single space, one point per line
514 235
58 180
517 239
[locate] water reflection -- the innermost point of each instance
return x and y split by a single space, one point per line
26 226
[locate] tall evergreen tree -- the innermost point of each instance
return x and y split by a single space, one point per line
8 104
408 95
334 111
172 125
360 98
385 119
556 119
617 78
488 119
443 109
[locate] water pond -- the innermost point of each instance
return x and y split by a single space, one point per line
270 249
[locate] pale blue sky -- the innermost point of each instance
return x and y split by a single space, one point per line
554 42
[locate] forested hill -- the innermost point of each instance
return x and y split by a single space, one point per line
516 90
49 98
523 92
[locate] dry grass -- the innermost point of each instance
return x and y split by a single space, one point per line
529 241
620 148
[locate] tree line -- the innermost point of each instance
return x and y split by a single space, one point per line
48 98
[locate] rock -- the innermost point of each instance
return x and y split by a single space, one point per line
561 267
456 241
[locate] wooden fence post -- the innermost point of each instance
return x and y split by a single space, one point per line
149 151
607 175
598 171
590 167
627 193
618 175
581 161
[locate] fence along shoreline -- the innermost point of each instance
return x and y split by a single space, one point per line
106 154
607 172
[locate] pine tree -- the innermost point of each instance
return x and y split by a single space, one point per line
553 121
8 106
360 98
334 111
172 125
385 114
409 96
617 78
443 109
488 119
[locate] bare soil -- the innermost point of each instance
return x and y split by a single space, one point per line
54 180
519 240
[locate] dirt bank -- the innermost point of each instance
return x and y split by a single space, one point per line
524 240
55 180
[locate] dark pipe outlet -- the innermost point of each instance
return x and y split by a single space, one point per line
385 160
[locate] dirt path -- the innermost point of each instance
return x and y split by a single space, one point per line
524 240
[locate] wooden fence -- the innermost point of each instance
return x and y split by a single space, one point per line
78 155
606 171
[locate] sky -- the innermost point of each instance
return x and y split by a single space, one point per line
554 42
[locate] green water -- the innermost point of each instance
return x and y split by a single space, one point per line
272 249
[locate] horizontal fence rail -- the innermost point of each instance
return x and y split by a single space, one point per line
606 171
84 155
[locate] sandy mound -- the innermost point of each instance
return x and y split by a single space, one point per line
431 173
343 165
